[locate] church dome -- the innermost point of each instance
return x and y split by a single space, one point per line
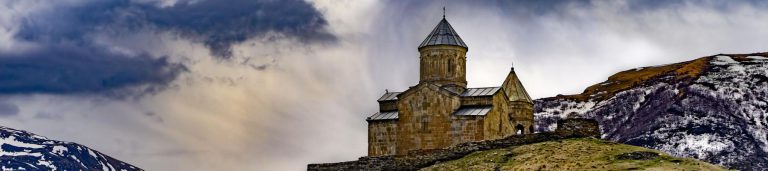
443 34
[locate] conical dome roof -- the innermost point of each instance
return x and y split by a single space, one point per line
443 34
514 88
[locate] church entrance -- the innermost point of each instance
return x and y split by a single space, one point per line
530 129
519 129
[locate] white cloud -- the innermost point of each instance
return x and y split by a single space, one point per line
14 12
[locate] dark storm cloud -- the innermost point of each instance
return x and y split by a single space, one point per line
222 23
75 69
217 23
67 59
540 7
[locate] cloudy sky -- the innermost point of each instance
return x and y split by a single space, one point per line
274 85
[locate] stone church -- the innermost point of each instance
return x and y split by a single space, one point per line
440 110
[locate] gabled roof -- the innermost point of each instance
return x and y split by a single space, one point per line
443 34
378 116
514 88
473 111
389 96
485 91
429 85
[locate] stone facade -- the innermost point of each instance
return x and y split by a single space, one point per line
496 124
423 121
440 111
578 127
521 116
520 104
443 64
381 136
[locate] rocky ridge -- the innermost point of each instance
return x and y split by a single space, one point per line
714 108
21 150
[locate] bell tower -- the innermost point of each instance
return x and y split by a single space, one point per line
443 58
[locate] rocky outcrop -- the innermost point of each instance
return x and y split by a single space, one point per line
578 127
572 128
713 108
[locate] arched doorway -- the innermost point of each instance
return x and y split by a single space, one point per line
530 129
519 129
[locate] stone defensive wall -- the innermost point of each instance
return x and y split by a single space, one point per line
414 160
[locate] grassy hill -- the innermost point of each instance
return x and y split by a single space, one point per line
572 146
572 154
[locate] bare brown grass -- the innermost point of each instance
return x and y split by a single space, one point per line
684 71
571 154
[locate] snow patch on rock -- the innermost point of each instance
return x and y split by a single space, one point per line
26 151
720 117
723 60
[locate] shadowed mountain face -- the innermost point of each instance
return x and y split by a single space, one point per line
20 150
713 108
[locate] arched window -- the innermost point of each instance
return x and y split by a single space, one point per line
450 66
519 129
424 123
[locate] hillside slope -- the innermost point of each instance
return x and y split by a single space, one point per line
573 145
713 108
21 150
573 154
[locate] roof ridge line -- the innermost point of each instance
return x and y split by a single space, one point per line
485 87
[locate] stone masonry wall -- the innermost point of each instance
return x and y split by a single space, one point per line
444 65
568 128
521 113
388 105
424 121
477 101
466 129
382 137
578 126
496 122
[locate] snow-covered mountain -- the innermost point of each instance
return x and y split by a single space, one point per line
713 108
21 150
